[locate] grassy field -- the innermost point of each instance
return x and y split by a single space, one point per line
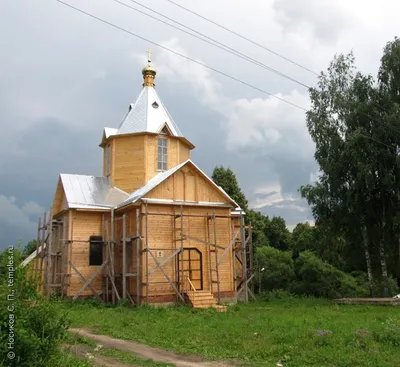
296 332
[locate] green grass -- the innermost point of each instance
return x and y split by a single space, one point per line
65 359
122 356
128 358
259 333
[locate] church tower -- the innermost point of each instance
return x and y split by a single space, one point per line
147 141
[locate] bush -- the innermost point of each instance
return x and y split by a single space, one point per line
320 279
308 275
278 268
362 280
31 322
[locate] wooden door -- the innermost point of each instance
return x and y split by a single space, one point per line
190 263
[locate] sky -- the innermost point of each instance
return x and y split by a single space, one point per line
64 76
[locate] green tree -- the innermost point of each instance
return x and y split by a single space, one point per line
303 237
260 223
226 178
353 126
29 248
277 234
389 88
277 268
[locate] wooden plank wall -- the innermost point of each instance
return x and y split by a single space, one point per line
128 163
85 224
134 160
160 233
177 152
188 185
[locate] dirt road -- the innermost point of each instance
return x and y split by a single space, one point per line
146 352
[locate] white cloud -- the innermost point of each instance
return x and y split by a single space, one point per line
322 19
83 76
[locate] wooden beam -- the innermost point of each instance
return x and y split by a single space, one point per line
245 284
112 254
114 287
186 236
244 263
138 253
124 256
87 283
181 280
170 257
147 254
168 278
228 248
216 256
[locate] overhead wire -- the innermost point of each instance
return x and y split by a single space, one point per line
181 55
205 65
222 46
243 37
207 39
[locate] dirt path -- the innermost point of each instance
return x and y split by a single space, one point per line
100 361
146 352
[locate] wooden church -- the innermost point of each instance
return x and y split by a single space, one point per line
154 228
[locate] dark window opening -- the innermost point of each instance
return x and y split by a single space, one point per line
95 250
155 105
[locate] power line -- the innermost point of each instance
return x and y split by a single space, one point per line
208 67
181 55
243 37
222 46
208 40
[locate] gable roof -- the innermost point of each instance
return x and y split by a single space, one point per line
90 192
161 177
148 114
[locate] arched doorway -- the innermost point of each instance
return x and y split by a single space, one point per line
192 266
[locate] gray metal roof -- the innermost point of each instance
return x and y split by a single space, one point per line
148 114
108 131
90 192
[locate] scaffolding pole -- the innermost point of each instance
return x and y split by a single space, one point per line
112 241
124 256
147 253
182 279
49 233
138 254
243 236
216 256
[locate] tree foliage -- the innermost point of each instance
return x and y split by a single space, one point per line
226 178
29 248
355 124
32 323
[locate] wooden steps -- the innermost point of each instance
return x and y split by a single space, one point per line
204 299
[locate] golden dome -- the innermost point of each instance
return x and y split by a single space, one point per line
149 72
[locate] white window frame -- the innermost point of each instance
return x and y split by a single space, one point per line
107 160
162 154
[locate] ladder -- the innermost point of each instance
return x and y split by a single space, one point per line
213 253
178 239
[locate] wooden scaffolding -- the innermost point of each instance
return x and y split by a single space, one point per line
132 268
